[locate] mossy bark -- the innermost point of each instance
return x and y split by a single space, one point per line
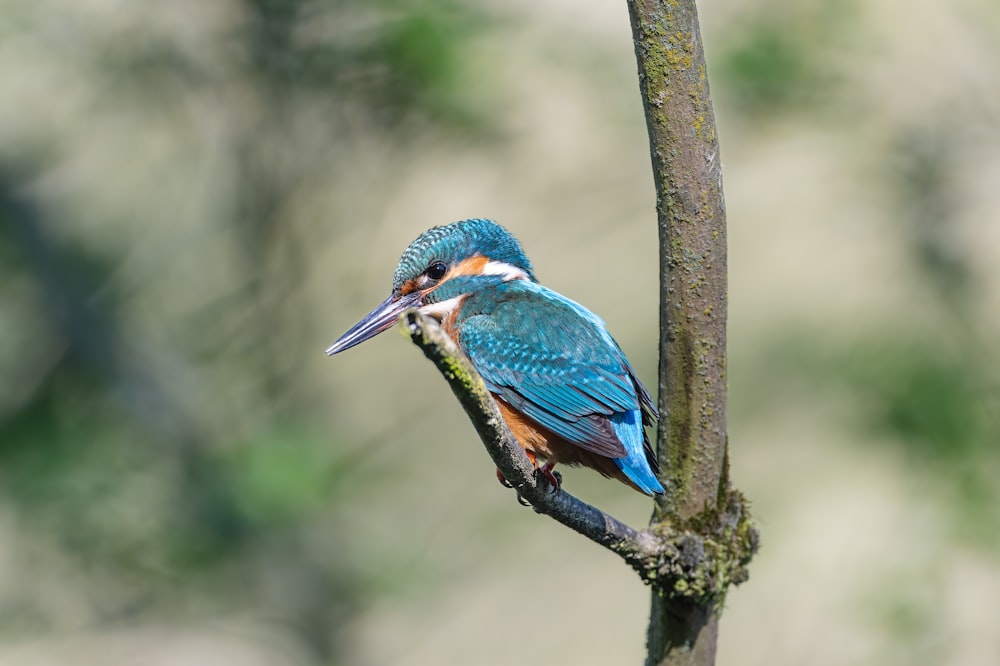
691 441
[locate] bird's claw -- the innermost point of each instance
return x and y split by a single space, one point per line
503 480
507 484
554 478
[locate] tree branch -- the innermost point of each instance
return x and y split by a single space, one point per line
637 548
691 214
692 443
681 565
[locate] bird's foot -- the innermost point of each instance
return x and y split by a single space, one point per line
554 478
503 480
507 484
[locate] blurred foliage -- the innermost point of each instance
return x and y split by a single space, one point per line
933 384
176 475
923 169
909 605
785 57
112 474
921 391
935 387
936 403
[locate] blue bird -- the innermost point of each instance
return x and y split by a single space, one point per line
562 383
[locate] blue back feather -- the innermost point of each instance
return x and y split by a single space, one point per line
554 361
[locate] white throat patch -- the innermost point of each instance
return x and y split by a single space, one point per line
442 309
504 270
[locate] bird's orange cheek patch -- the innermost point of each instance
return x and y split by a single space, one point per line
474 265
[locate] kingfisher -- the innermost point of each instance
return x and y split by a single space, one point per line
561 382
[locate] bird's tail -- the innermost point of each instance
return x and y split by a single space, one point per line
628 427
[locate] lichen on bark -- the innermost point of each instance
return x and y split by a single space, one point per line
706 520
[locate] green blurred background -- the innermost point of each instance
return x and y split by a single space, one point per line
197 197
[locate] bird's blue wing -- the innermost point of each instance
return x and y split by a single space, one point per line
553 360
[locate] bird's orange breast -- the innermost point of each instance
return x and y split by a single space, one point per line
539 441
531 436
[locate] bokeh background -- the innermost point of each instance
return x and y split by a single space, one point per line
197 197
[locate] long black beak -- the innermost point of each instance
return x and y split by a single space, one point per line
373 323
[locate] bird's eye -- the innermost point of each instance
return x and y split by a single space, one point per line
436 270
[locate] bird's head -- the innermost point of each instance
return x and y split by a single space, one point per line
442 266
